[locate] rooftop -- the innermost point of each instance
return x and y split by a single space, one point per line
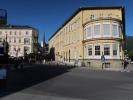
16 27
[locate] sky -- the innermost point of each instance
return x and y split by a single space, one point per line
48 15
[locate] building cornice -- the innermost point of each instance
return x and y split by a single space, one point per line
102 38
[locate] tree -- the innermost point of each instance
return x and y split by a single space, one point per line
51 55
130 53
6 48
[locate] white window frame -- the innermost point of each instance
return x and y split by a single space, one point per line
118 53
87 32
118 32
107 35
99 35
97 56
109 45
90 56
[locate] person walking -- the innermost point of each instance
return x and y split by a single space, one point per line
103 60
125 65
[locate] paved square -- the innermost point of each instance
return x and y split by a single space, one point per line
79 84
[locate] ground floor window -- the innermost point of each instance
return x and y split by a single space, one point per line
110 50
106 49
97 50
90 50
115 49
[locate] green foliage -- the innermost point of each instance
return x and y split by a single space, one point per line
130 53
130 45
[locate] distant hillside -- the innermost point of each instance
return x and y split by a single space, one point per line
130 43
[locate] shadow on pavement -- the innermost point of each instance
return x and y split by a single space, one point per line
29 76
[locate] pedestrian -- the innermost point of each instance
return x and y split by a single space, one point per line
22 63
125 67
103 60
3 78
44 61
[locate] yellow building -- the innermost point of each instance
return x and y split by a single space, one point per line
90 33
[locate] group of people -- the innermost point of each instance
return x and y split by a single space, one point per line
124 63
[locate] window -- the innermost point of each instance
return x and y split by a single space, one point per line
89 31
27 33
106 49
14 40
26 41
106 29
0 32
114 49
97 50
19 32
115 30
10 32
1 40
9 40
19 40
15 33
90 50
6 32
97 29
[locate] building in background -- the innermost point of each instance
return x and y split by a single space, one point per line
21 39
3 17
89 33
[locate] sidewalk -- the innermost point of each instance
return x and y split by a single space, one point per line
130 68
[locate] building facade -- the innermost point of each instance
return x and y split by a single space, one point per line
3 17
90 33
21 39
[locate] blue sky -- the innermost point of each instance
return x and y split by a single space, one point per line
48 15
